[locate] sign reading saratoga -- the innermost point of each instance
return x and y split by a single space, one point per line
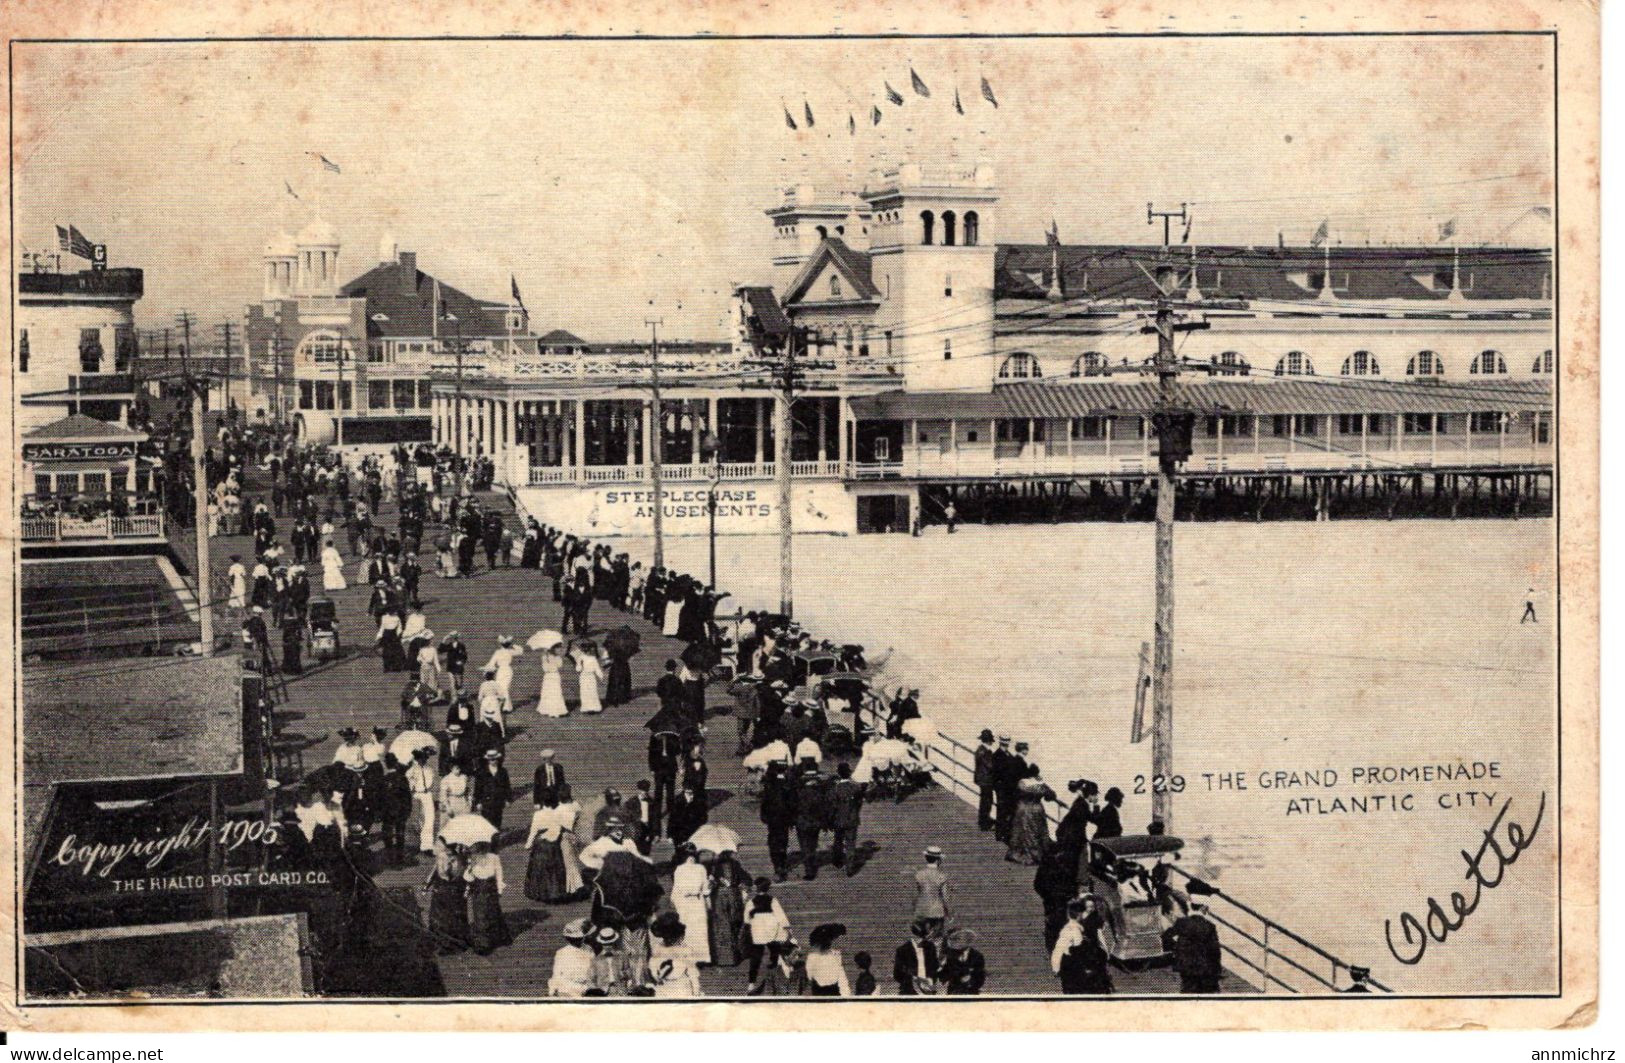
79 451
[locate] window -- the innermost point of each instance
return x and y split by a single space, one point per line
90 350
882 449
947 228
124 348
1020 366
425 394
928 225
22 350
1543 363
1014 430
972 436
1089 363
95 483
1234 363
850 341
834 286
1419 423
1425 363
324 394
1128 427
972 229
1489 422
1294 363
1361 363
375 350
823 233
1088 428
863 342
1489 363
406 393
947 350
346 399
888 343
42 483
948 285
1350 424
1298 425
1542 428
1231 426
306 393
377 394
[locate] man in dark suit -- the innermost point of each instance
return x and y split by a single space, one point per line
964 970
985 754
492 790
1194 943
845 811
1007 772
456 659
673 697
778 812
549 777
456 749
811 815
916 962
665 755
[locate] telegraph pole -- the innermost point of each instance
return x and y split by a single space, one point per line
200 497
787 371
1173 425
657 439
457 402
225 345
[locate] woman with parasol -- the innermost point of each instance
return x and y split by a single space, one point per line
725 903
620 645
448 900
551 703
689 886
488 929
826 973
547 874
589 671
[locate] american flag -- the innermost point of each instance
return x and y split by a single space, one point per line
73 242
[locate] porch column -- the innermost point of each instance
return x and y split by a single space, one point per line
1257 445
823 417
581 433
840 439
694 434
1219 421
757 414
1434 441
1291 433
953 442
712 425
1145 439
649 425
1399 431
1110 421
1365 419
632 438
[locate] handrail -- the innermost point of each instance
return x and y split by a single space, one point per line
937 758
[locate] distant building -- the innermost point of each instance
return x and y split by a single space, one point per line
363 351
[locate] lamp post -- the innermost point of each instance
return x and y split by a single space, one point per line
711 449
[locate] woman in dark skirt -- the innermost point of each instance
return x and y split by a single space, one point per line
448 901
618 680
545 873
726 919
389 643
487 928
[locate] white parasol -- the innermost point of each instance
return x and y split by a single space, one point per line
468 829
776 750
544 639
716 838
921 729
885 751
408 742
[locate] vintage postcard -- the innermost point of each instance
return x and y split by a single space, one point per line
942 517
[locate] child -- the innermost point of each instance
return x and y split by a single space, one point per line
865 985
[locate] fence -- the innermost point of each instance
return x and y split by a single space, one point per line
141 617
1261 950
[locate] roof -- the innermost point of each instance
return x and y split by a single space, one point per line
405 294
1025 271
77 428
765 309
853 265
560 338
148 718
1265 396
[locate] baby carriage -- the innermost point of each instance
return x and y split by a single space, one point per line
323 626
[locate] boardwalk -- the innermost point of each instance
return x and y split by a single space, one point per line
989 895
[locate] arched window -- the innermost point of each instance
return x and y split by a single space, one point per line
1294 363
1543 364
1425 363
973 229
849 341
840 230
1020 366
1489 363
947 228
928 225
1361 363
947 350
322 348
834 286
823 233
1234 364
1089 363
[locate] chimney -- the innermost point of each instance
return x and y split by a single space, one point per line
409 272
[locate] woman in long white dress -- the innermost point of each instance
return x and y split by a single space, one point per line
551 701
501 663
690 885
332 569
590 673
455 798
239 582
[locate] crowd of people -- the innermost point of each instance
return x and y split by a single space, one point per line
809 751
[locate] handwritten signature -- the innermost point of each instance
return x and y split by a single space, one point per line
1439 924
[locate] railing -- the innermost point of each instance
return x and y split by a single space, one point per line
60 527
549 475
1272 955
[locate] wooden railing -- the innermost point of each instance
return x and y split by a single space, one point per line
728 471
1268 955
58 527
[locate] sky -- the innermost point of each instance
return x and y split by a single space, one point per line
617 181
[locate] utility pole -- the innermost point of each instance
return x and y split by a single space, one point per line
1167 217
457 402
657 437
1173 425
225 345
200 495
787 372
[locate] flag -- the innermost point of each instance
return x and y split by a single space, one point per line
874 115
851 125
789 121
1447 230
513 283
893 95
1053 237
957 105
806 109
1321 233
919 86
73 242
987 93
291 192
328 164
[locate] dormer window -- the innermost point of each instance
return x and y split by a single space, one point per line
834 286
823 233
